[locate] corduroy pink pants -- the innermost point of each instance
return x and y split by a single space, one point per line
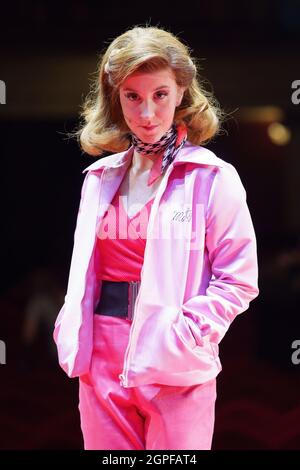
151 416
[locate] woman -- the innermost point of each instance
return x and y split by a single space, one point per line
164 253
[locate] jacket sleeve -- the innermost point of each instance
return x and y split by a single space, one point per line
59 317
231 246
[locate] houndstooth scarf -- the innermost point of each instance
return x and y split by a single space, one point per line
167 146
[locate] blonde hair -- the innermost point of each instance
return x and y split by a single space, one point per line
144 49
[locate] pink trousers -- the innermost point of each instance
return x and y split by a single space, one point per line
151 416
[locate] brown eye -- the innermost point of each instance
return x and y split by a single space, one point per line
132 96
161 94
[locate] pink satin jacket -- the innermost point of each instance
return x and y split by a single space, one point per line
199 271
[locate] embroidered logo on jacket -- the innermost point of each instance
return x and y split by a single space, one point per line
182 216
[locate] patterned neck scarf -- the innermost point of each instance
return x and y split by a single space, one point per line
162 152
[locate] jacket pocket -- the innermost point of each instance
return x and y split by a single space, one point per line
194 329
185 330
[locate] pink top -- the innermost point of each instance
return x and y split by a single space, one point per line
122 241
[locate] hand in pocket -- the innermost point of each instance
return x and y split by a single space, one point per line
195 330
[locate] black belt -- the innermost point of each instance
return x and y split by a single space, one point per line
117 298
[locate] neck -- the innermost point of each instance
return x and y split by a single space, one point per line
140 163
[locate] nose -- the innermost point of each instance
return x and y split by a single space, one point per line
147 110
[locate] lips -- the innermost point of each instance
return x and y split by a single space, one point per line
149 128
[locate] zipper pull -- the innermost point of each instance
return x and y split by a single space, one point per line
122 380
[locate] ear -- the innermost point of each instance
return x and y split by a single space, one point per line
180 94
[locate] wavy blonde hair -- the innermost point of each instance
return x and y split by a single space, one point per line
144 49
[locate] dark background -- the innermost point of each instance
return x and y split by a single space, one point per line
249 55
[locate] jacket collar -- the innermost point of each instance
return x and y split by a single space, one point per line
188 154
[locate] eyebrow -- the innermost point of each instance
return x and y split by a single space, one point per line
158 88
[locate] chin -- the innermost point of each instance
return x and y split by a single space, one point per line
150 137
150 140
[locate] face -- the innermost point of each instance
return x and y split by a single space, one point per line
148 102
